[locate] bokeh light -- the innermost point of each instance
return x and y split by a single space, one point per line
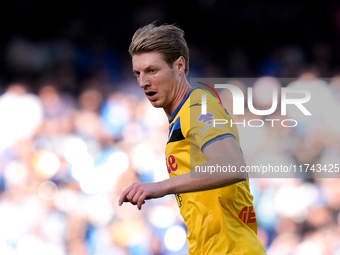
175 238
46 163
82 166
49 163
48 190
143 158
118 162
161 216
100 210
74 149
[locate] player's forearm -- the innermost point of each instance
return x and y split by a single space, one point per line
205 181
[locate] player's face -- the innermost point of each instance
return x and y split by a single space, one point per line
156 78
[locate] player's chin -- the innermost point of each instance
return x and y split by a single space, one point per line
156 103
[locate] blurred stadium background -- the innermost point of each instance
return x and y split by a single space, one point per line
75 129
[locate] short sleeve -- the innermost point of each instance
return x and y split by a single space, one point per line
210 127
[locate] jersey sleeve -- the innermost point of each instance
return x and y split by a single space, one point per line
216 124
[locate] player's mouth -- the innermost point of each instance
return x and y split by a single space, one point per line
151 95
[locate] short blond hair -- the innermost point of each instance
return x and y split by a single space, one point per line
165 39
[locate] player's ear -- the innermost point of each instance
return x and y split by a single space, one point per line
180 65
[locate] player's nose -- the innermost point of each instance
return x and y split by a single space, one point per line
143 80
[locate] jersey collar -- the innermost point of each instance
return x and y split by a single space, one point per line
181 104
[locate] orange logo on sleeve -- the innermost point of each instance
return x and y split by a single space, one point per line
171 163
247 214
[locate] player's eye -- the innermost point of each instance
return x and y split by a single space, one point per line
152 70
136 74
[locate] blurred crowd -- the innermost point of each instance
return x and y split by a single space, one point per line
65 160
76 130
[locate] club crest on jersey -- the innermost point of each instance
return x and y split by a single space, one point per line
208 119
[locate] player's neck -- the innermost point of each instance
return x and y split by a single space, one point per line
180 94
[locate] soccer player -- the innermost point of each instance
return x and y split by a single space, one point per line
218 212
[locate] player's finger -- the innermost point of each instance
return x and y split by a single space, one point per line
132 193
136 196
141 206
123 197
141 201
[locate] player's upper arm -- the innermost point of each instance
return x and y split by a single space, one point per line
227 150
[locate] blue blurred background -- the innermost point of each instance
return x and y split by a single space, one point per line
75 129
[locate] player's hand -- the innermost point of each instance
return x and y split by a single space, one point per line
138 192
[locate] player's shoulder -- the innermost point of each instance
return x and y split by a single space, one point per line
193 104
195 98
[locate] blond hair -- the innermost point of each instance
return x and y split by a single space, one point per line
165 39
